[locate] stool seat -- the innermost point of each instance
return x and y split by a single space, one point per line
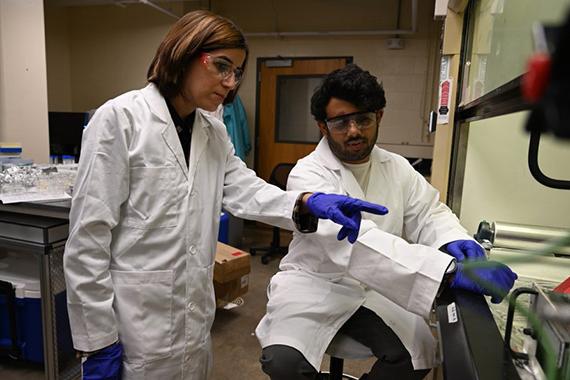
340 348
344 347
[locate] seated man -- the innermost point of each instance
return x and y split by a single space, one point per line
313 296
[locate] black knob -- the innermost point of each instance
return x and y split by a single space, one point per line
530 332
485 232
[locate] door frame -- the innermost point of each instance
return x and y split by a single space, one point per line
259 63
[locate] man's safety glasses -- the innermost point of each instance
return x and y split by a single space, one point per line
341 124
223 68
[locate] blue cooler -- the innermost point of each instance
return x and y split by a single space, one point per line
21 310
224 231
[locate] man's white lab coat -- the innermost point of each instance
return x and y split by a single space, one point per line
317 290
143 231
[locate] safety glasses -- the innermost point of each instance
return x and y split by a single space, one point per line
223 68
341 124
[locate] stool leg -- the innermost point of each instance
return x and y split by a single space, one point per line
336 368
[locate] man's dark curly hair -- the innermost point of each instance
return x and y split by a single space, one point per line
351 84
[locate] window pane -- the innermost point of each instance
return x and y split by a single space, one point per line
294 120
498 185
502 41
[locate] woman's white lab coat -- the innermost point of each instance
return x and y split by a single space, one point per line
143 231
316 291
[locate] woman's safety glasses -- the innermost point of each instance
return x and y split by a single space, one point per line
341 124
223 68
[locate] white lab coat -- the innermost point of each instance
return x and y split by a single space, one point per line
314 293
143 230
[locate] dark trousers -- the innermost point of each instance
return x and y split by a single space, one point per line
282 362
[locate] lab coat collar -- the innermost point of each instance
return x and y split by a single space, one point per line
158 107
330 161
156 103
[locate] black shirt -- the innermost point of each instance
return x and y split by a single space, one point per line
184 129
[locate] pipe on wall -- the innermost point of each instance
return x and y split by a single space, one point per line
345 32
313 34
159 8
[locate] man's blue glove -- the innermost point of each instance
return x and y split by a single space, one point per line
495 280
342 210
465 250
106 364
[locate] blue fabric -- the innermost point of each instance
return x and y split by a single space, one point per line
106 364
235 120
342 210
495 280
465 250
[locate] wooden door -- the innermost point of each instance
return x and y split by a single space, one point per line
271 148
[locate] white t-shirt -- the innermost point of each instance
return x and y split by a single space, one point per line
361 172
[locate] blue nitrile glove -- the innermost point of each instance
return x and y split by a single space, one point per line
106 364
497 275
342 210
465 250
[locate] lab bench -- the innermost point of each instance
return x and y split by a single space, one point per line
41 230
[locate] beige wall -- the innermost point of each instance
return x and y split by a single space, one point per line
404 74
408 74
110 48
23 83
58 56
103 51
498 185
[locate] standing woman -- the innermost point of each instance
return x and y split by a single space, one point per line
155 172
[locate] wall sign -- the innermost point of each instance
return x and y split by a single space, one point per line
445 90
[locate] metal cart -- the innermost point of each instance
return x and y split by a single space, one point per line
29 229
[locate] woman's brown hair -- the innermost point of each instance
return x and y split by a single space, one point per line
195 33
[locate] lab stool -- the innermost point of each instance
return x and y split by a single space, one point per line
344 347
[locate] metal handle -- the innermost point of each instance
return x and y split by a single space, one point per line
510 316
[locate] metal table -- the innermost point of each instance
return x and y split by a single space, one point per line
50 254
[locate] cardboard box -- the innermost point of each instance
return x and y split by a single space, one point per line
231 273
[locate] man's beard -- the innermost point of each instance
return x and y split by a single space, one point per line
346 156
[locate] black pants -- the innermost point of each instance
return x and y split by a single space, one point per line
282 362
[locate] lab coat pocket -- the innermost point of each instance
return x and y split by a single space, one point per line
143 307
152 199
